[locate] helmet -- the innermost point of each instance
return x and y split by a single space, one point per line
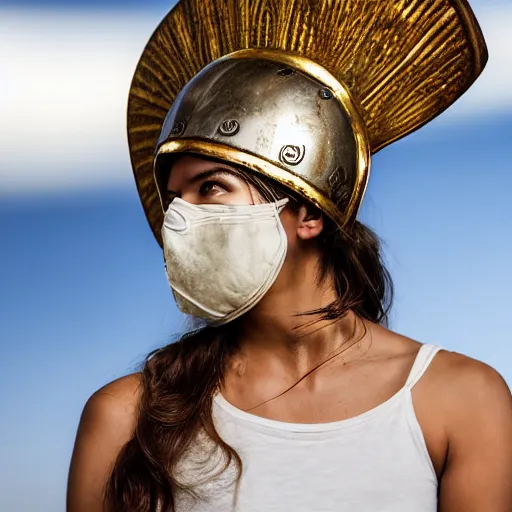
303 92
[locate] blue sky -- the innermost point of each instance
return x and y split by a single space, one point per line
84 291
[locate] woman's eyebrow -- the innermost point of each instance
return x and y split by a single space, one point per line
206 174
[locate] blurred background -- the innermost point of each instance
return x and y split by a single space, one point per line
83 295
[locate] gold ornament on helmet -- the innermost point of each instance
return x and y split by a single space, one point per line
302 91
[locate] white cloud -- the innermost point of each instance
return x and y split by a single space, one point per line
63 96
64 80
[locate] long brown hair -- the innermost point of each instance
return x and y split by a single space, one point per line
180 380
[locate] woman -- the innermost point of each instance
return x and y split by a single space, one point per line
292 394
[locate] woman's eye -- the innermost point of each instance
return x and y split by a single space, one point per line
211 187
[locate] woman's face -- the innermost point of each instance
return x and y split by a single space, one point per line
201 181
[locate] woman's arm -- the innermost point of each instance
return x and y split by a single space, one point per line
478 408
107 424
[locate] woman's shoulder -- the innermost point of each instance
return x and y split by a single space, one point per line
107 423
454 382
452 371
125 392
468 405
462 375
466 393
116 404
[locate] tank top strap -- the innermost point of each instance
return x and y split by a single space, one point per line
423 359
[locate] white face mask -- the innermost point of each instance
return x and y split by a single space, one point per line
222 259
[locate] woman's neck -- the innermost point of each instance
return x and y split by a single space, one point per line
278 334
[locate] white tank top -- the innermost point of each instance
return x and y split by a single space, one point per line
377 461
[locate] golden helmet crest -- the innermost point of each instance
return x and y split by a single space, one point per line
302 91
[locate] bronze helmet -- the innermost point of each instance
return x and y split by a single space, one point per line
302 91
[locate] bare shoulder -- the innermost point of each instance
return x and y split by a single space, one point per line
468 391
107 423
464 378
475 410
451 377
118 400
113 408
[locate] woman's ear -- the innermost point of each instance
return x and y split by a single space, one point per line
310 222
